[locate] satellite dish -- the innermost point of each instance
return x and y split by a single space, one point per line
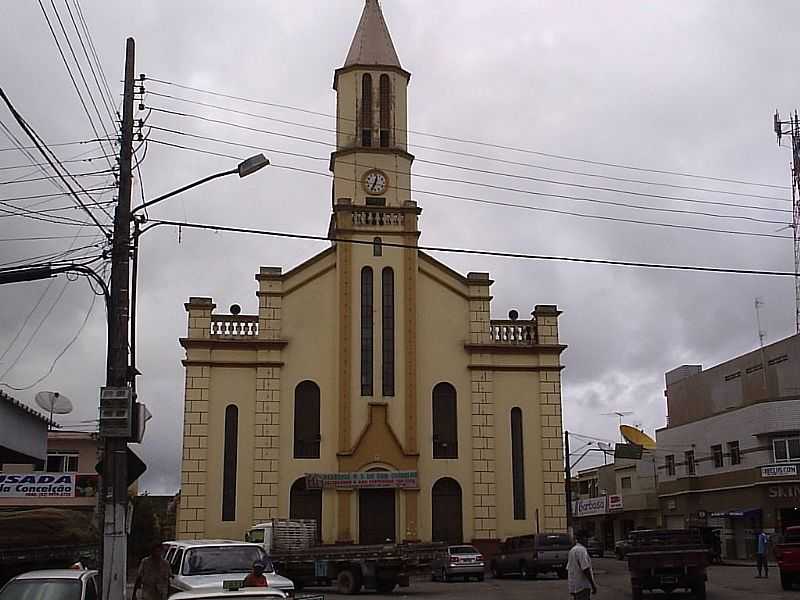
637 437
54 403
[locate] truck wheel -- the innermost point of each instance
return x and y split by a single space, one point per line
497 573
445 577
348 582
699 591
562 573
786 581
385 587
526 572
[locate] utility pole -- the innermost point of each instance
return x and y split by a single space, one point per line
568 480
115 472
792 127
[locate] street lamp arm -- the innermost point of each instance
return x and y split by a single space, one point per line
183 189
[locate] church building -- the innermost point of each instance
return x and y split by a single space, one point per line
372 391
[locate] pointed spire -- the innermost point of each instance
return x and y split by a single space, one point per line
372 44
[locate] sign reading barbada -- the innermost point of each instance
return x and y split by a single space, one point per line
369 479
47 485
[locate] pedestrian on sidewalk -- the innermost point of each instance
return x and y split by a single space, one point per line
761 553
153 576
580 577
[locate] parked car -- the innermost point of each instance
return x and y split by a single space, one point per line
205 565
595 548
788 555
63 584
242 594
622 547
458 561
529 555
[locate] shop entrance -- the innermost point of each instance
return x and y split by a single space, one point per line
376 516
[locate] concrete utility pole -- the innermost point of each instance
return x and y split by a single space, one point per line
792 127
115 475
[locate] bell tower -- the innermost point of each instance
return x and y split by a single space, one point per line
371 164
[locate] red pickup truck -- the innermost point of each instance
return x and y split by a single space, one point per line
788 555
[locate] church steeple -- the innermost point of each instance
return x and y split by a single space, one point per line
372 44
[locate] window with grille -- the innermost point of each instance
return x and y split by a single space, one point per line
366 110
689 460
387 333
386 108
229 463
366 331
306 420
377 247
625 483
445 421
716 456
734 453
517 464
669 462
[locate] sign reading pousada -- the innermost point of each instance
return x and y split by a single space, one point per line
368 479
37 485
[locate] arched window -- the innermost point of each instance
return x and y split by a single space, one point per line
445 421
229 460
446 516
366 331
386 108
306 504
366 110
387 337
517 464
306 420
377 247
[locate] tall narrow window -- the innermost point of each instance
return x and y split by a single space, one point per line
377 247
366 331
386 108
733 451
229 461
387 337
517 465
445 421
306 420
366 110
716 455
669 463
689 459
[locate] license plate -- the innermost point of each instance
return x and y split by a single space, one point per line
669 579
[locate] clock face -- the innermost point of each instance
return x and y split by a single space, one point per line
375 182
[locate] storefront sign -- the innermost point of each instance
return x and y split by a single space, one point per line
369 479
778 470
784 491
615 502
590 507
37 485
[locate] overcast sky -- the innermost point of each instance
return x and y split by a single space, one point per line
675 86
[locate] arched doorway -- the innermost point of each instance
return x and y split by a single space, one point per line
376 515
446 517
306 504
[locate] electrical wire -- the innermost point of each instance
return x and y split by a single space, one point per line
452 250
518 206
36 196
52 210
31 180
99 64
44 238
478 142
59 145
27 166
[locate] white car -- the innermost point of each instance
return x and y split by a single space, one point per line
206 565
243 594
63 584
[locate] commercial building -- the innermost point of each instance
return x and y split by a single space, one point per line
371 390
730 453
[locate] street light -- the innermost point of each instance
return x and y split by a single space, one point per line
243 169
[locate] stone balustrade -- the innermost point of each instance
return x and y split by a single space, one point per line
233 326
378 218
513 333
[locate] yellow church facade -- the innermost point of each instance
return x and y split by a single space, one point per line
372 391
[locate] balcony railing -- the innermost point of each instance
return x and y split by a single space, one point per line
378 218
513 333
234 326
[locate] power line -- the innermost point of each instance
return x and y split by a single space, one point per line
47 211
31 180
482 143
451 250
94 52
61 144
514 205
45 238
74 160
55 195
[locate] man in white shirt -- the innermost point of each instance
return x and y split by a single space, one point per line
579 569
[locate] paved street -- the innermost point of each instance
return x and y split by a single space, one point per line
725 583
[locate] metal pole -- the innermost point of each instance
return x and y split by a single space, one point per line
115 488
568 481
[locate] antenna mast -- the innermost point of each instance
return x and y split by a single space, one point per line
792 127
761 335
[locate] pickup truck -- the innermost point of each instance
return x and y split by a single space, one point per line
788 555
532 554
667 559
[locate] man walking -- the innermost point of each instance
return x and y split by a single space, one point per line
761 553
579 569
153 576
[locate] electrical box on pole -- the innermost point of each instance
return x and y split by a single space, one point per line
116 412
